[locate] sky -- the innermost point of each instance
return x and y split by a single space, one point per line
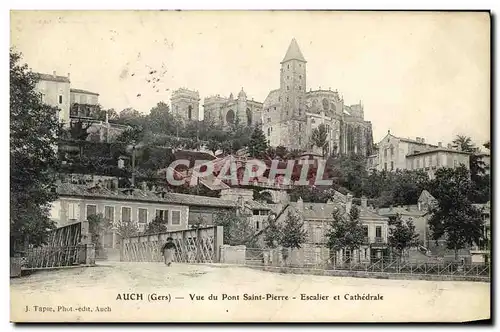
417 74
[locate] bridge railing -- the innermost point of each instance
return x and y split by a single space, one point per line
200 245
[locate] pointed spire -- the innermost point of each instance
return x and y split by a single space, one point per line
293 52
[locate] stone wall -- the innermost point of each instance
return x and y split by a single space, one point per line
232 254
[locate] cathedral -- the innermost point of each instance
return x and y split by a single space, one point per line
289 114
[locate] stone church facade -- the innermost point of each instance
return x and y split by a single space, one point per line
291 113
227 111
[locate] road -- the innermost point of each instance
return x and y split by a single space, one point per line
98 287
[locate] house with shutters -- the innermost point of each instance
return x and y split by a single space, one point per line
77 202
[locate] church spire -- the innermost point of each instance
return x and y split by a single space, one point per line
293 52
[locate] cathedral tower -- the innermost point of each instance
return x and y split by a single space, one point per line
293 96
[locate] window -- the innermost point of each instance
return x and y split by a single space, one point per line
455 163
268 142
300 141
288 77
163 215
126 214
287 99
385 166
288 66
300 126
257 225
313 121
378 231
392 151
73 211
418 163
268 131
275 107
300 77
91 210
60 99
109 213
300 88
190 111
287 88
142 215
365 230
268 120
392 165
176 217
300 65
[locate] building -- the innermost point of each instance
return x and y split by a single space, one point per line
433 159
392 151
291 113
55 91
317 218
76 202
185 104
84 103
227 111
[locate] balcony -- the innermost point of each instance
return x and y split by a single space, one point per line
379 239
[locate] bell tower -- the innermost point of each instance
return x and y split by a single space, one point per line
293 95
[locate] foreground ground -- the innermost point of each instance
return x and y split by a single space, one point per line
64 291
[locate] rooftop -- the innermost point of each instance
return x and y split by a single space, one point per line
84 91
77 190
437 150
53 77
293 52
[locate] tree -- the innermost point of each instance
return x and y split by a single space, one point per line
320 138
464 143
454 217
237 229
487 145
402 235
292 233
98 226
258 143
272 233
33 161
126 229
345 231
157 225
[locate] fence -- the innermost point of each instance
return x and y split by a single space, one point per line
191 246
315 260
65 247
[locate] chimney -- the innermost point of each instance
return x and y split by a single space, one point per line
422 139
54 73
449 146
440 144
348 204
364 202
300 204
